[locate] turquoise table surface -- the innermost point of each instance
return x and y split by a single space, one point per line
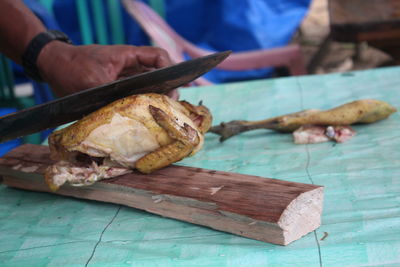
361 217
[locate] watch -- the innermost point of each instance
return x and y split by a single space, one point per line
35 46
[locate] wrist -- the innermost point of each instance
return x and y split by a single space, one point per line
36 46
54 55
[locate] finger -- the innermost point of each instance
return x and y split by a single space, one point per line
174 94
151 57
133 71
154 57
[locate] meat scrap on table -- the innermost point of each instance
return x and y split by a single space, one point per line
311 134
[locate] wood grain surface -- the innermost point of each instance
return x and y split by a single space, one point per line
265 209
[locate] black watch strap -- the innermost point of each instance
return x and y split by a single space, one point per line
35 46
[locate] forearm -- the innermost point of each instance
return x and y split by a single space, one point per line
18 25
65 67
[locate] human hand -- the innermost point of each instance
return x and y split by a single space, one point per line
69 69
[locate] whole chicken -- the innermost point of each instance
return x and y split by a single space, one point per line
144 132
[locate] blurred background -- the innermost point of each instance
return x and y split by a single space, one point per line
269 38
346 55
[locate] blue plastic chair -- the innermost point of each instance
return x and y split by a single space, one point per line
9 102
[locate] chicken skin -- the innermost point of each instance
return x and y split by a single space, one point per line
144 132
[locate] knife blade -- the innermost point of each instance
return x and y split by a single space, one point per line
74 107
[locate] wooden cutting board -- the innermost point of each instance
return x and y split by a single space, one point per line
265 209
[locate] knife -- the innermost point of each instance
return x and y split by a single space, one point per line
74 107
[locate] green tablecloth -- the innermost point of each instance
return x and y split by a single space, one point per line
361 177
